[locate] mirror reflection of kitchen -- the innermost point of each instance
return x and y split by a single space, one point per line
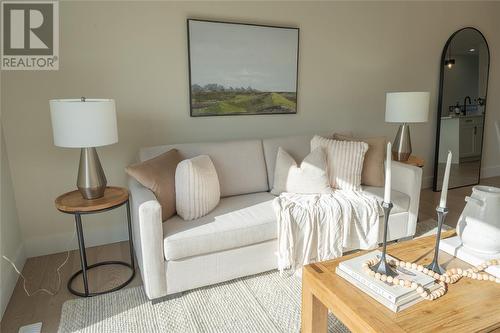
464 75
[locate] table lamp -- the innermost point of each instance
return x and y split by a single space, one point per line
86 124
404 108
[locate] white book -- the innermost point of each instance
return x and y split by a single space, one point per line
391 306
453 246
394 294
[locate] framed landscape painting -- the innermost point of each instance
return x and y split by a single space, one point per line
242 69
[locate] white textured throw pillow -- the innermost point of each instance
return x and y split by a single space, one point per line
345 161
197 189
310 177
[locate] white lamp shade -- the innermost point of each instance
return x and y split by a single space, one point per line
83 124
407 107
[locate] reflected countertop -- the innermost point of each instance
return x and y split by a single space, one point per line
461 116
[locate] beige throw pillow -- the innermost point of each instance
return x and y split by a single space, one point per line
373 165
197 188
345 161
158 174
309 177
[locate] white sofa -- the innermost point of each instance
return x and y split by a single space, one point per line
238 237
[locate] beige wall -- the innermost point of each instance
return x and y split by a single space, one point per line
11 244
351 53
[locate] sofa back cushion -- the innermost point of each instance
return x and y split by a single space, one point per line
240 165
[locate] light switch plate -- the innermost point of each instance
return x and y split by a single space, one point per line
32 328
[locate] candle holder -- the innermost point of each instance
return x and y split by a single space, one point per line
434 265
382 266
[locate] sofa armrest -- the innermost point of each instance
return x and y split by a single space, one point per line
408 179
148 239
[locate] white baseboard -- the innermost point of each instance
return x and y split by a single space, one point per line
9 275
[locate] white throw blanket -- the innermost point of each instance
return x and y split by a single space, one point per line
315 227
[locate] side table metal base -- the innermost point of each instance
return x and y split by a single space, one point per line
83 254
103 263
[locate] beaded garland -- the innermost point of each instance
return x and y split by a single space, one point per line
450 276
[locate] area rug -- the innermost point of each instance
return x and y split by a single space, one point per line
428 227
266 302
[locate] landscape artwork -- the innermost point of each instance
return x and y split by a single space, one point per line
242 69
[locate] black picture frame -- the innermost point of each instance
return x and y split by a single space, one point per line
440 108
243 24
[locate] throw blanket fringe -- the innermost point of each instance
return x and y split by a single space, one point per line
315 227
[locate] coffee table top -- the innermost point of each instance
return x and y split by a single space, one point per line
468 306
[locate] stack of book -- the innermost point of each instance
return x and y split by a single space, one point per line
396 298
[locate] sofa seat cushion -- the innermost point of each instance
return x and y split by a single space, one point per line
400 201
237 221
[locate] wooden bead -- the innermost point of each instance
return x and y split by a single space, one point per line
450 276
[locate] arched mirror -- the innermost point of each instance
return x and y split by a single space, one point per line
462 107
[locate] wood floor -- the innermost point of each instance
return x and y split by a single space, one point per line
41 271
429 201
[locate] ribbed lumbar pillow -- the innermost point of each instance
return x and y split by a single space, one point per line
197 189
345 161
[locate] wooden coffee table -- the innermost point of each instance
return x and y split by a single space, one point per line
468 306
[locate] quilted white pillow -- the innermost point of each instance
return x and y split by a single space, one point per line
310 177
345 161
197 189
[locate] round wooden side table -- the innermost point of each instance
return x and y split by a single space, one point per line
73 203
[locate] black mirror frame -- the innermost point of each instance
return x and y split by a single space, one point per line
440 107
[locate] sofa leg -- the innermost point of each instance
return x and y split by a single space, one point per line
405 239
166 298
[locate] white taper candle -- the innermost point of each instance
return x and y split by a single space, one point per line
387 189
444 189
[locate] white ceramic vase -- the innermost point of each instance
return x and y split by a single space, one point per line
479 225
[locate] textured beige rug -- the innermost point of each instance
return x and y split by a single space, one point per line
266 302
